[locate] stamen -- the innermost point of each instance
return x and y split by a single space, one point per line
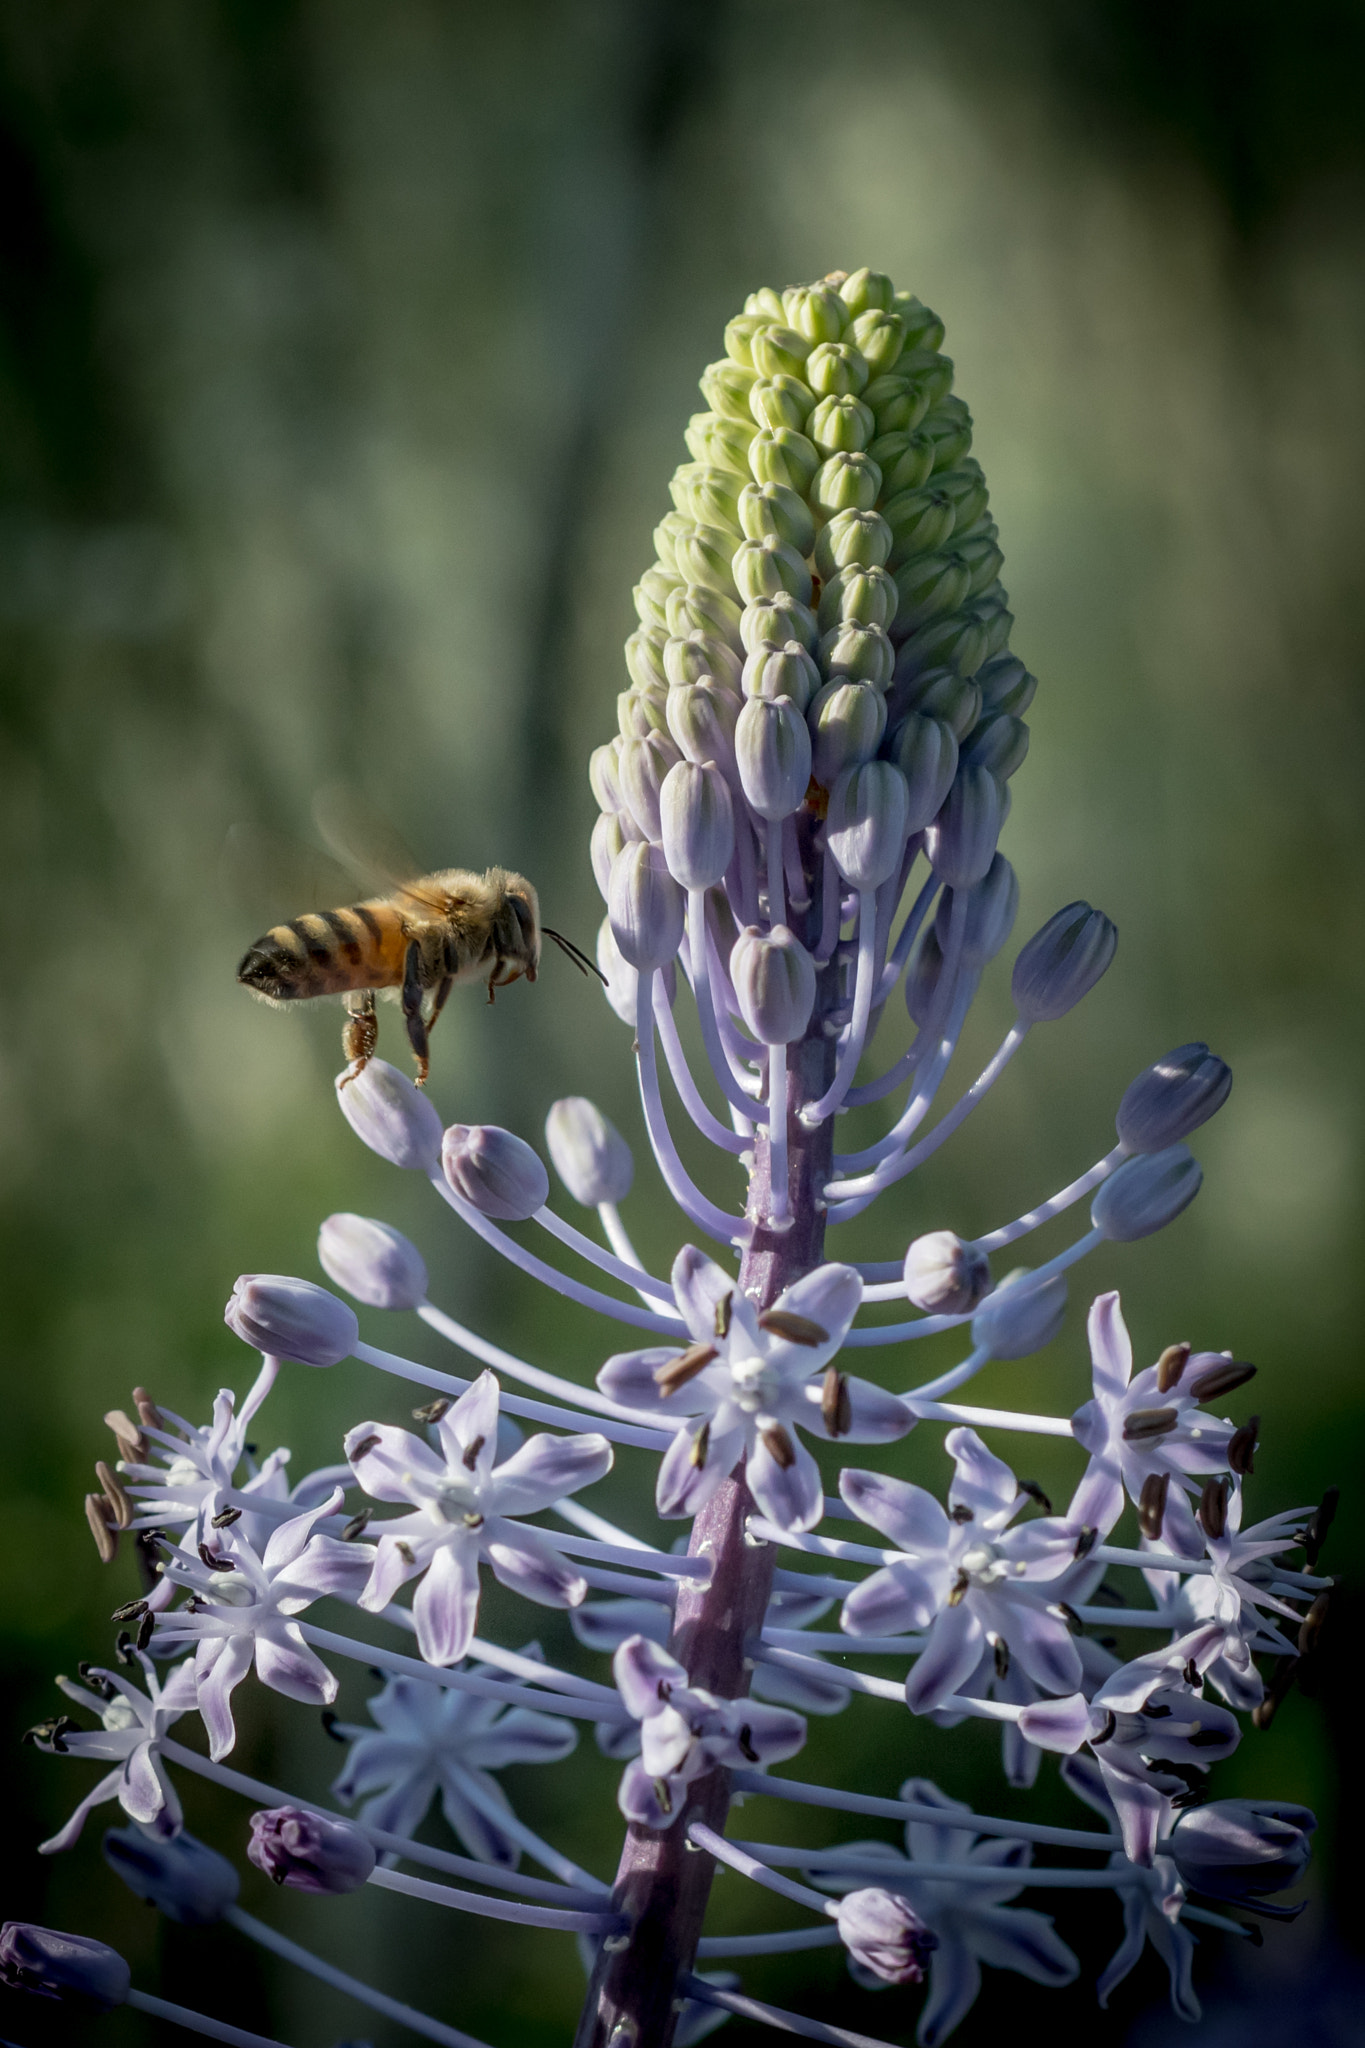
724 1307
213 1561
1170 1365
405 1551
357 1525
105 1534
365 1446
431 1411
836 1407
1035 1493
701 1447
1213 1508
1242 1445
781 1322
779 1445
1312 1626
119 1504
225 1518
960 1588
1086 1542
131 1610
1221 1379
668 1378
1145 1425
1315 1535
149 1414
1152 1504
470 1456
146 1628
1002 1658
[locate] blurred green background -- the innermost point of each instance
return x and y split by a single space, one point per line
344 356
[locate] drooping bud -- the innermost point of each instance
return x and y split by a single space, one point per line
603 778
645 907
923 977
68 1967
944 1276
609 835
774 980
1021 1316
961 840
701 718
852 540
372 1261
1241 1848
495 1171
999 744
1146 1193
1062 962
773 670
310 1852
882 1931
391 1115
697 824
182 1877
1172 1097
866 832
846 721
992 904
1006 687
925 751
590 1156
288 1318
773 753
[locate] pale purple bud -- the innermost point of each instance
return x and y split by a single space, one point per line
606 787
1146 1193
612 831
289 1318
391 1115
1239 1848
641 770
772 749
923 977
589 1154
1006 687
846 720
852 540
372 1261
495 1171
992 904
774 670
645 907
1062 962
774 980
622 980
310 1852
1021 1316
697 824
866 831
62 1966
862 653
1172 1097
182 1877
999 744
961 841
882 1931
925 751
944 1276
701 718
701 658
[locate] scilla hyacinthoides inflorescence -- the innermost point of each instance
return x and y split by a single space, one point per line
799 825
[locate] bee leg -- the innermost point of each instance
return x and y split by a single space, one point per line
444 987
495 978
413 993
360 1032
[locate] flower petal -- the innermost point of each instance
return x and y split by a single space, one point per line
478 1831
792 1496
1111 1348
107 1788
828 1297
954 1981
603 1625
469 1431
327 1566
545 1469
289 1540
628 1377
700 1286
650 1802
949 1656
522 1736
912 1518
981 1481
1017 1938
221 1665
1042 1642
287 1665
396 1560
898 1597
533 1569
446 1605
142 1790
645 1675
684 1485
383 1467
1059 1725
1129 1949
873 1415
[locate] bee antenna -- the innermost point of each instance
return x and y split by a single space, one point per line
580 959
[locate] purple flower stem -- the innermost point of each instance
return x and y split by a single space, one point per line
517 1368
801 1794
197 2022
773 2016
995 1240
633 1275
462 1681
516 1911
787 1943
777 900
738 1858
717 1223
638 1435
690 1096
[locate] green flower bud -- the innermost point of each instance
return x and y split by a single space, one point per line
817 311
880 337
780 402
965 484
862 653
957 642
666 532
702 554
645 656
712 438
763 567
779 352
836 369
651 595
995 619
773 753
707 494
778 510
859 597
984 561
641 711
725 387
775 670
701 718
609 835
852 539
846 483
931 372
999 744
739 335
846 720
602 776
929 586
942 693
840 425
867 828
898 403
774 981
920 520
1006 686
767 304
694 608
699 658
867 290
923 329
698 825
781 617
949 427
925 751
640 772
781 455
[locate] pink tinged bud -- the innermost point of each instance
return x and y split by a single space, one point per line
495 1171
1173 1097
373 1262
772 750
310 1852
590 1156
775 670
645 907
643 765
391 1115
182 1877
992 904
847 720
961 841
68 1967
774 979
1062 962
697 824
1021 1316
866 832
293 1319
1146 1193
944 1276
883 1932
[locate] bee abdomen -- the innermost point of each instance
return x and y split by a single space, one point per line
320 953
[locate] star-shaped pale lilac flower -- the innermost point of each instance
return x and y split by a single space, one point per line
1146 1433
750 1378
431 1739
686 1731
1242 1583
1151 1911
132 1726
241 1606
191 1466
966 1576
973 1921
463 1507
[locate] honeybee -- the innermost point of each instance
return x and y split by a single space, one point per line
420 939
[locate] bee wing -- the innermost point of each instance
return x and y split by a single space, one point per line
266 875
370 847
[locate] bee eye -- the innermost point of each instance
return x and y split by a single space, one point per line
524 918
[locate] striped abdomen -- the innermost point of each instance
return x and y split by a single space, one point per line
328 952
